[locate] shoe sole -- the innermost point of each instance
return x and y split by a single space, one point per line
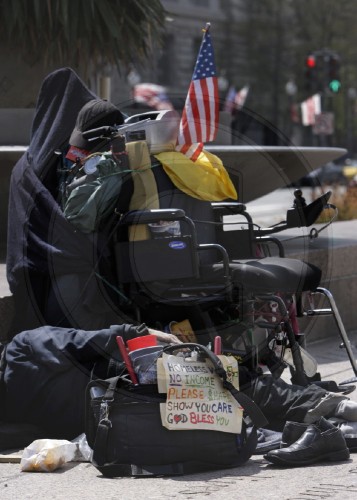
336 456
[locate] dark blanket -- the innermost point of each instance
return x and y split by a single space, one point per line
47 370
44 249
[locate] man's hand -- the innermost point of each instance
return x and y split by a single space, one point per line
168 338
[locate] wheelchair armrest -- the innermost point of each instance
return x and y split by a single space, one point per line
231 207
221 250
223 208
148 216
225 260
265 240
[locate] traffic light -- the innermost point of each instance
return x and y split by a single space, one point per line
334 81
310 72
322 71
311 61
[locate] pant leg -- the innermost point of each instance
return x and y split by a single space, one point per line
280 401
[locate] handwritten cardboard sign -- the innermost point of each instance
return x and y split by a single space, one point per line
196 398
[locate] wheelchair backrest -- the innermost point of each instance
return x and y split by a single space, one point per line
151 257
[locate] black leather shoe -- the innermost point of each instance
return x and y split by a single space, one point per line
294 430
320 441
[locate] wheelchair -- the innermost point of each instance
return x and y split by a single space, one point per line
222 277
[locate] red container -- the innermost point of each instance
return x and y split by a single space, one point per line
141 342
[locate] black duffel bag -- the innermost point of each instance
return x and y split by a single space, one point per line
125 432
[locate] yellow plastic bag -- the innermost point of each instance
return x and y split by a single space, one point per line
205 179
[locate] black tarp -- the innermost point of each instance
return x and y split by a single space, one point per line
44 251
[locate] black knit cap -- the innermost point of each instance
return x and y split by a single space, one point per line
95 113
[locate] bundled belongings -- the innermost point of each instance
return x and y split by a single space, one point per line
53 397
57 383
136 430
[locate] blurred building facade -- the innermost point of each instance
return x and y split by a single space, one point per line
172 63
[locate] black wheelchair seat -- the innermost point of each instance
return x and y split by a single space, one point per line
271 274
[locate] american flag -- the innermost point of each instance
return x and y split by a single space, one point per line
199 121
241 97
229 101
151 94
236 100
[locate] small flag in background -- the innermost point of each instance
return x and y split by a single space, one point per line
241 97
151 94
236 100
229 101
199 121
310 108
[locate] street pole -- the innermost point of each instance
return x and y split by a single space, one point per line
351 96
